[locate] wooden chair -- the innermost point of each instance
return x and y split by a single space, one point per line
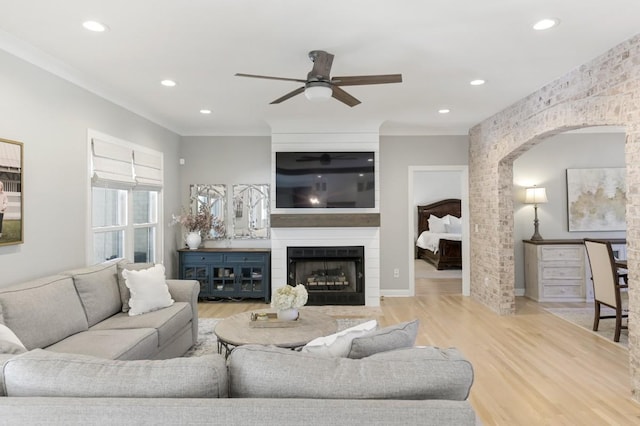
606 284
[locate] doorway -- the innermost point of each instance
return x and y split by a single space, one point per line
459 174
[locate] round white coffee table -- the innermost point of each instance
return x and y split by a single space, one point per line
237 330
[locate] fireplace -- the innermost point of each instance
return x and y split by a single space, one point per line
332 275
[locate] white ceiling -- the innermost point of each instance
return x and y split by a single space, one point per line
437 45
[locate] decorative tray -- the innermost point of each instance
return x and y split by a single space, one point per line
270 320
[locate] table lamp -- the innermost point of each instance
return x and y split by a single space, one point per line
535 196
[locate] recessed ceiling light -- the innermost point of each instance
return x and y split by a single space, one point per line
545 24
444 111
95 26
478 82
205 111
168 83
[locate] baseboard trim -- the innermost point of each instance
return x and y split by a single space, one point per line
395 293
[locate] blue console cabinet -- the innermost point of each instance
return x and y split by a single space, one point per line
228 273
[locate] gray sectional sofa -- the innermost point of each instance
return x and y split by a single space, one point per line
89 363
81 312
256 385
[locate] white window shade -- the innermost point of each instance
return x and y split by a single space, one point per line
148 170
111 165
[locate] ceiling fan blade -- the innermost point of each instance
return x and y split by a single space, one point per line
289 95
344 97
357 80
238 74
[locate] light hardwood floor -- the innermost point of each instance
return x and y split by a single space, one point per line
531 368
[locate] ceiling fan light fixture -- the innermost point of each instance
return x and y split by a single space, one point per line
317 91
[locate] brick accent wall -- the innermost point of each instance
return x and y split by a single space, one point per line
605 91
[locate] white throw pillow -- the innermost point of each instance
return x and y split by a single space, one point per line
338 344
453 220
454 226
438 224
149 290
7 335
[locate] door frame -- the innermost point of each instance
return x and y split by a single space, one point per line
464 191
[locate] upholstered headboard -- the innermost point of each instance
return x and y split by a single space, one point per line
440 208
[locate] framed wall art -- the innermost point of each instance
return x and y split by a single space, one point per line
596 199
11 196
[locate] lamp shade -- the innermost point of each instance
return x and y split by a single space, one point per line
317 91
535 195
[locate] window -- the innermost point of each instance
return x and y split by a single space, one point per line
126 189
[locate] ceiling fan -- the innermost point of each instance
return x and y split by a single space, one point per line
319 85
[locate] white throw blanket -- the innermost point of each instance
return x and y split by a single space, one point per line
431 240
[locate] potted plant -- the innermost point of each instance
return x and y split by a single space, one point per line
196 224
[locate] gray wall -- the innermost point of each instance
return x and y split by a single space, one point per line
51 117
225 160
230 160
545 165
397 153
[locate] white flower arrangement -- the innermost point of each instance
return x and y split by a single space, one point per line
288 297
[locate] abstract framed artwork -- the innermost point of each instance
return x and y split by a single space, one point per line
596 199
11 196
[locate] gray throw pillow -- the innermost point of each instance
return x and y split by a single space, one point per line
125 295
7 347
397 336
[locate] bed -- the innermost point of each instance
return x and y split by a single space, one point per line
441 247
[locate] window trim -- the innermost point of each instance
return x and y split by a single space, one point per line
130 226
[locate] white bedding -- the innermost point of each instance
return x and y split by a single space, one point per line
431 240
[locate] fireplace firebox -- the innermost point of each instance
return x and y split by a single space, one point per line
332 275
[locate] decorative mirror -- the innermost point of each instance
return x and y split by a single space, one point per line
251 211
214 197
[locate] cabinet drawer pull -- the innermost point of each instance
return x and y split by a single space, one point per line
203 258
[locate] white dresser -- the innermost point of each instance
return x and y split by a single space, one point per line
554 270
558 270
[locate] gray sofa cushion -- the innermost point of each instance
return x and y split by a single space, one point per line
3 358
168 321
415 373
27 309
397 336
111 344
98 290
43 373
448 366
125 294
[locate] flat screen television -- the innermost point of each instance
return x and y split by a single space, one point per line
325 179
